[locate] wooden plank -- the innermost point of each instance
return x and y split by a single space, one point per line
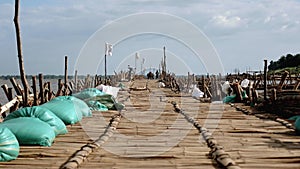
8 105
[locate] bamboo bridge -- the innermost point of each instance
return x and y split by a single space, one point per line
163 129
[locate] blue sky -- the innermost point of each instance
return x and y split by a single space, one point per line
243 32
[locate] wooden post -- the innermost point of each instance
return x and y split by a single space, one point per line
165 57
75 83
20 55
95 80
66 76
282 80
297 84
35 98
10 94
236 88
42 100
16 104
203 87
105 70
273 96
2 114
265 80
5 89
15 85
60 86
250 93
188 83
208 93
49 91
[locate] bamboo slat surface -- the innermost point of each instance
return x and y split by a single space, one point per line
152 135
62 148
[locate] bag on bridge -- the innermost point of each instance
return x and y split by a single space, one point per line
9 145
30 131
68 108
43 114
108 100
79 104
88 93
297 122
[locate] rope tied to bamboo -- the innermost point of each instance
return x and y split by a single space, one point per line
216 151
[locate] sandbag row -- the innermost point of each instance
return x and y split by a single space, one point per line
100 100
39 125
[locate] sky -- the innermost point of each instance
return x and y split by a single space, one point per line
242 34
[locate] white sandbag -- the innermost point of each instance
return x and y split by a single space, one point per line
245 83
197 93
161 85
109 90
226 87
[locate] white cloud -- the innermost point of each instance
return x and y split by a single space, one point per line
71 22
227 22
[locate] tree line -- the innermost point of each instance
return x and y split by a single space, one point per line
285 61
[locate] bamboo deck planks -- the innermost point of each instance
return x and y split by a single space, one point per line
250 141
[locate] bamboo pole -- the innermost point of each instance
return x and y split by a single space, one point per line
66 76
273 95
203 86
15 85
5 89
60 86
75 83
95 80
49 96
8 105
10 94
296 86
283 78
41 88
265 79
188 83
35 98
20 55
10 97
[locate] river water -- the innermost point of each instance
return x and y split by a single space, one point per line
3 98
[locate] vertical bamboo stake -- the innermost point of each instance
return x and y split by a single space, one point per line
203 86
5 89
76 87
35 99
265 80
16 105
95 80
20 55
49 91
15 85
274 95
188 82
10 93
282 80
66 75
60 86
296 85
41 88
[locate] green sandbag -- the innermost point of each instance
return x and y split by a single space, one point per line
229 99
297 122
88 93
95 105
80 105
30 131
65 109
43 114
108 100
9 145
